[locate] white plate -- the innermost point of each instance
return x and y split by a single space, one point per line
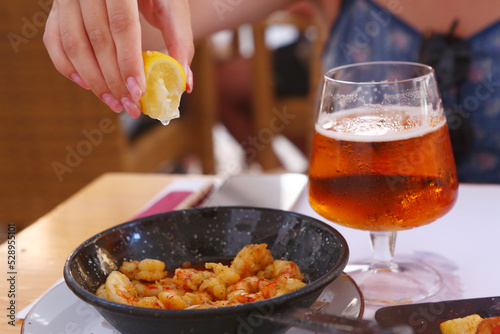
60 311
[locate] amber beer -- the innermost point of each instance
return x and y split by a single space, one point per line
385 173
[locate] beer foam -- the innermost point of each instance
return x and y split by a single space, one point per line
387 124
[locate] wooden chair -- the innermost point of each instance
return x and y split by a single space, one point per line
56 137
189 134
266 103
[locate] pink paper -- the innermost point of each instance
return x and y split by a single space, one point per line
167 203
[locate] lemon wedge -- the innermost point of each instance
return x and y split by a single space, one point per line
165 83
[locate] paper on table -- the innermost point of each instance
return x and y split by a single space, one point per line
179 194
277 191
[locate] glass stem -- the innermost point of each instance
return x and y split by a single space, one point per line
383 244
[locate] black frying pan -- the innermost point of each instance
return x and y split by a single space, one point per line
203 235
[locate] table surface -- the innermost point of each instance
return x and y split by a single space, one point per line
464 244
42 248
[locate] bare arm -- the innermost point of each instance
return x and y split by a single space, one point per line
210 16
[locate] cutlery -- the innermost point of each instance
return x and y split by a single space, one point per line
317 321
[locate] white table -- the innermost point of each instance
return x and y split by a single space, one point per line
464 245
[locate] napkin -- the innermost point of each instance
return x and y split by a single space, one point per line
179 194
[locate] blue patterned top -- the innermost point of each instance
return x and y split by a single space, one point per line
365 31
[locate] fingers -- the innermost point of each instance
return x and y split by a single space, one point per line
123 16
76 45
52 41
97 44
95 21
178 36
172 17
80 42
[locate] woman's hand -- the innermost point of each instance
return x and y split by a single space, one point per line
97 44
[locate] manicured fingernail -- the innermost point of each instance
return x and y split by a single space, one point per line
189 79
134 89
130 107
112 102
78 79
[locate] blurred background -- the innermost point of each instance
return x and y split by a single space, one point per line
251 110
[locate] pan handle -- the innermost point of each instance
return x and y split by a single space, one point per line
321 322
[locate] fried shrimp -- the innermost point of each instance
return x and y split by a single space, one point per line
224 273
253 275
119 289
252 259
224 276
215 287
219 303
249 284
279 268
150 302
130 269
101 292
190 278
171 300
151 270
280 286
196 298
247 290
147 289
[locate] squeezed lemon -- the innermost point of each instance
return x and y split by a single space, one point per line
165 83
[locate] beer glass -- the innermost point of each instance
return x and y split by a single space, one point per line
382 162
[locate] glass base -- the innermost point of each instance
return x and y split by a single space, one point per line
404 282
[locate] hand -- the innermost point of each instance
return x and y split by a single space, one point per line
97 44
173 19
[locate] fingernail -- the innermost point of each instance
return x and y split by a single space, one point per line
78 79
189 80
112 102
130 107
134 89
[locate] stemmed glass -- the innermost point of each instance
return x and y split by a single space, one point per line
382 161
